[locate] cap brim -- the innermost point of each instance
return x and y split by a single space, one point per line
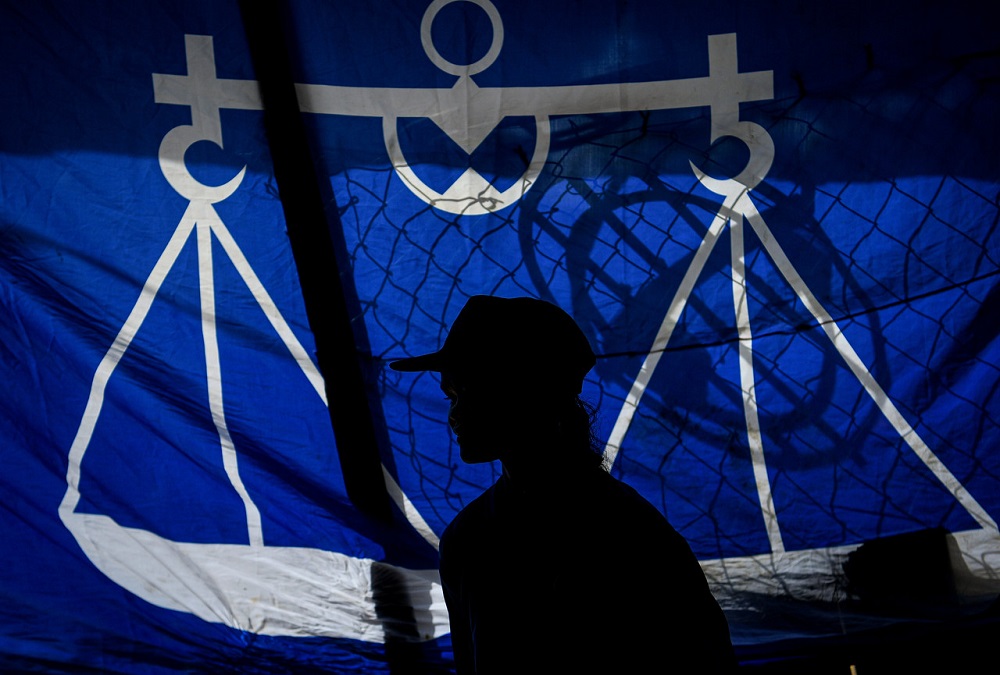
415 364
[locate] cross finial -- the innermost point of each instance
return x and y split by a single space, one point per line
203 91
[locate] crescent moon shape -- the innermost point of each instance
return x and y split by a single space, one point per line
761 147
172 149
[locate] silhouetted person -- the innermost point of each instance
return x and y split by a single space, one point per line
558 567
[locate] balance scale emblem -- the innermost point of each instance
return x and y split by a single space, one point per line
248 586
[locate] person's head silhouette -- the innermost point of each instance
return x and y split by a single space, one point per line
513 369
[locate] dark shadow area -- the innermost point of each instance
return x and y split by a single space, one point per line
963 645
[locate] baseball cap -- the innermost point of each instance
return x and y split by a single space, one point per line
511 338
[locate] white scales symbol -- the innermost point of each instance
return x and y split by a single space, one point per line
311 592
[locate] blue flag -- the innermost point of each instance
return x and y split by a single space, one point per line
776 225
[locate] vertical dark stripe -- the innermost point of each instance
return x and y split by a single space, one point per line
324 286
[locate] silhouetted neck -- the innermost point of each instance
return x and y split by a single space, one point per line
548 470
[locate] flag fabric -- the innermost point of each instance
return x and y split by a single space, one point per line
776 224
